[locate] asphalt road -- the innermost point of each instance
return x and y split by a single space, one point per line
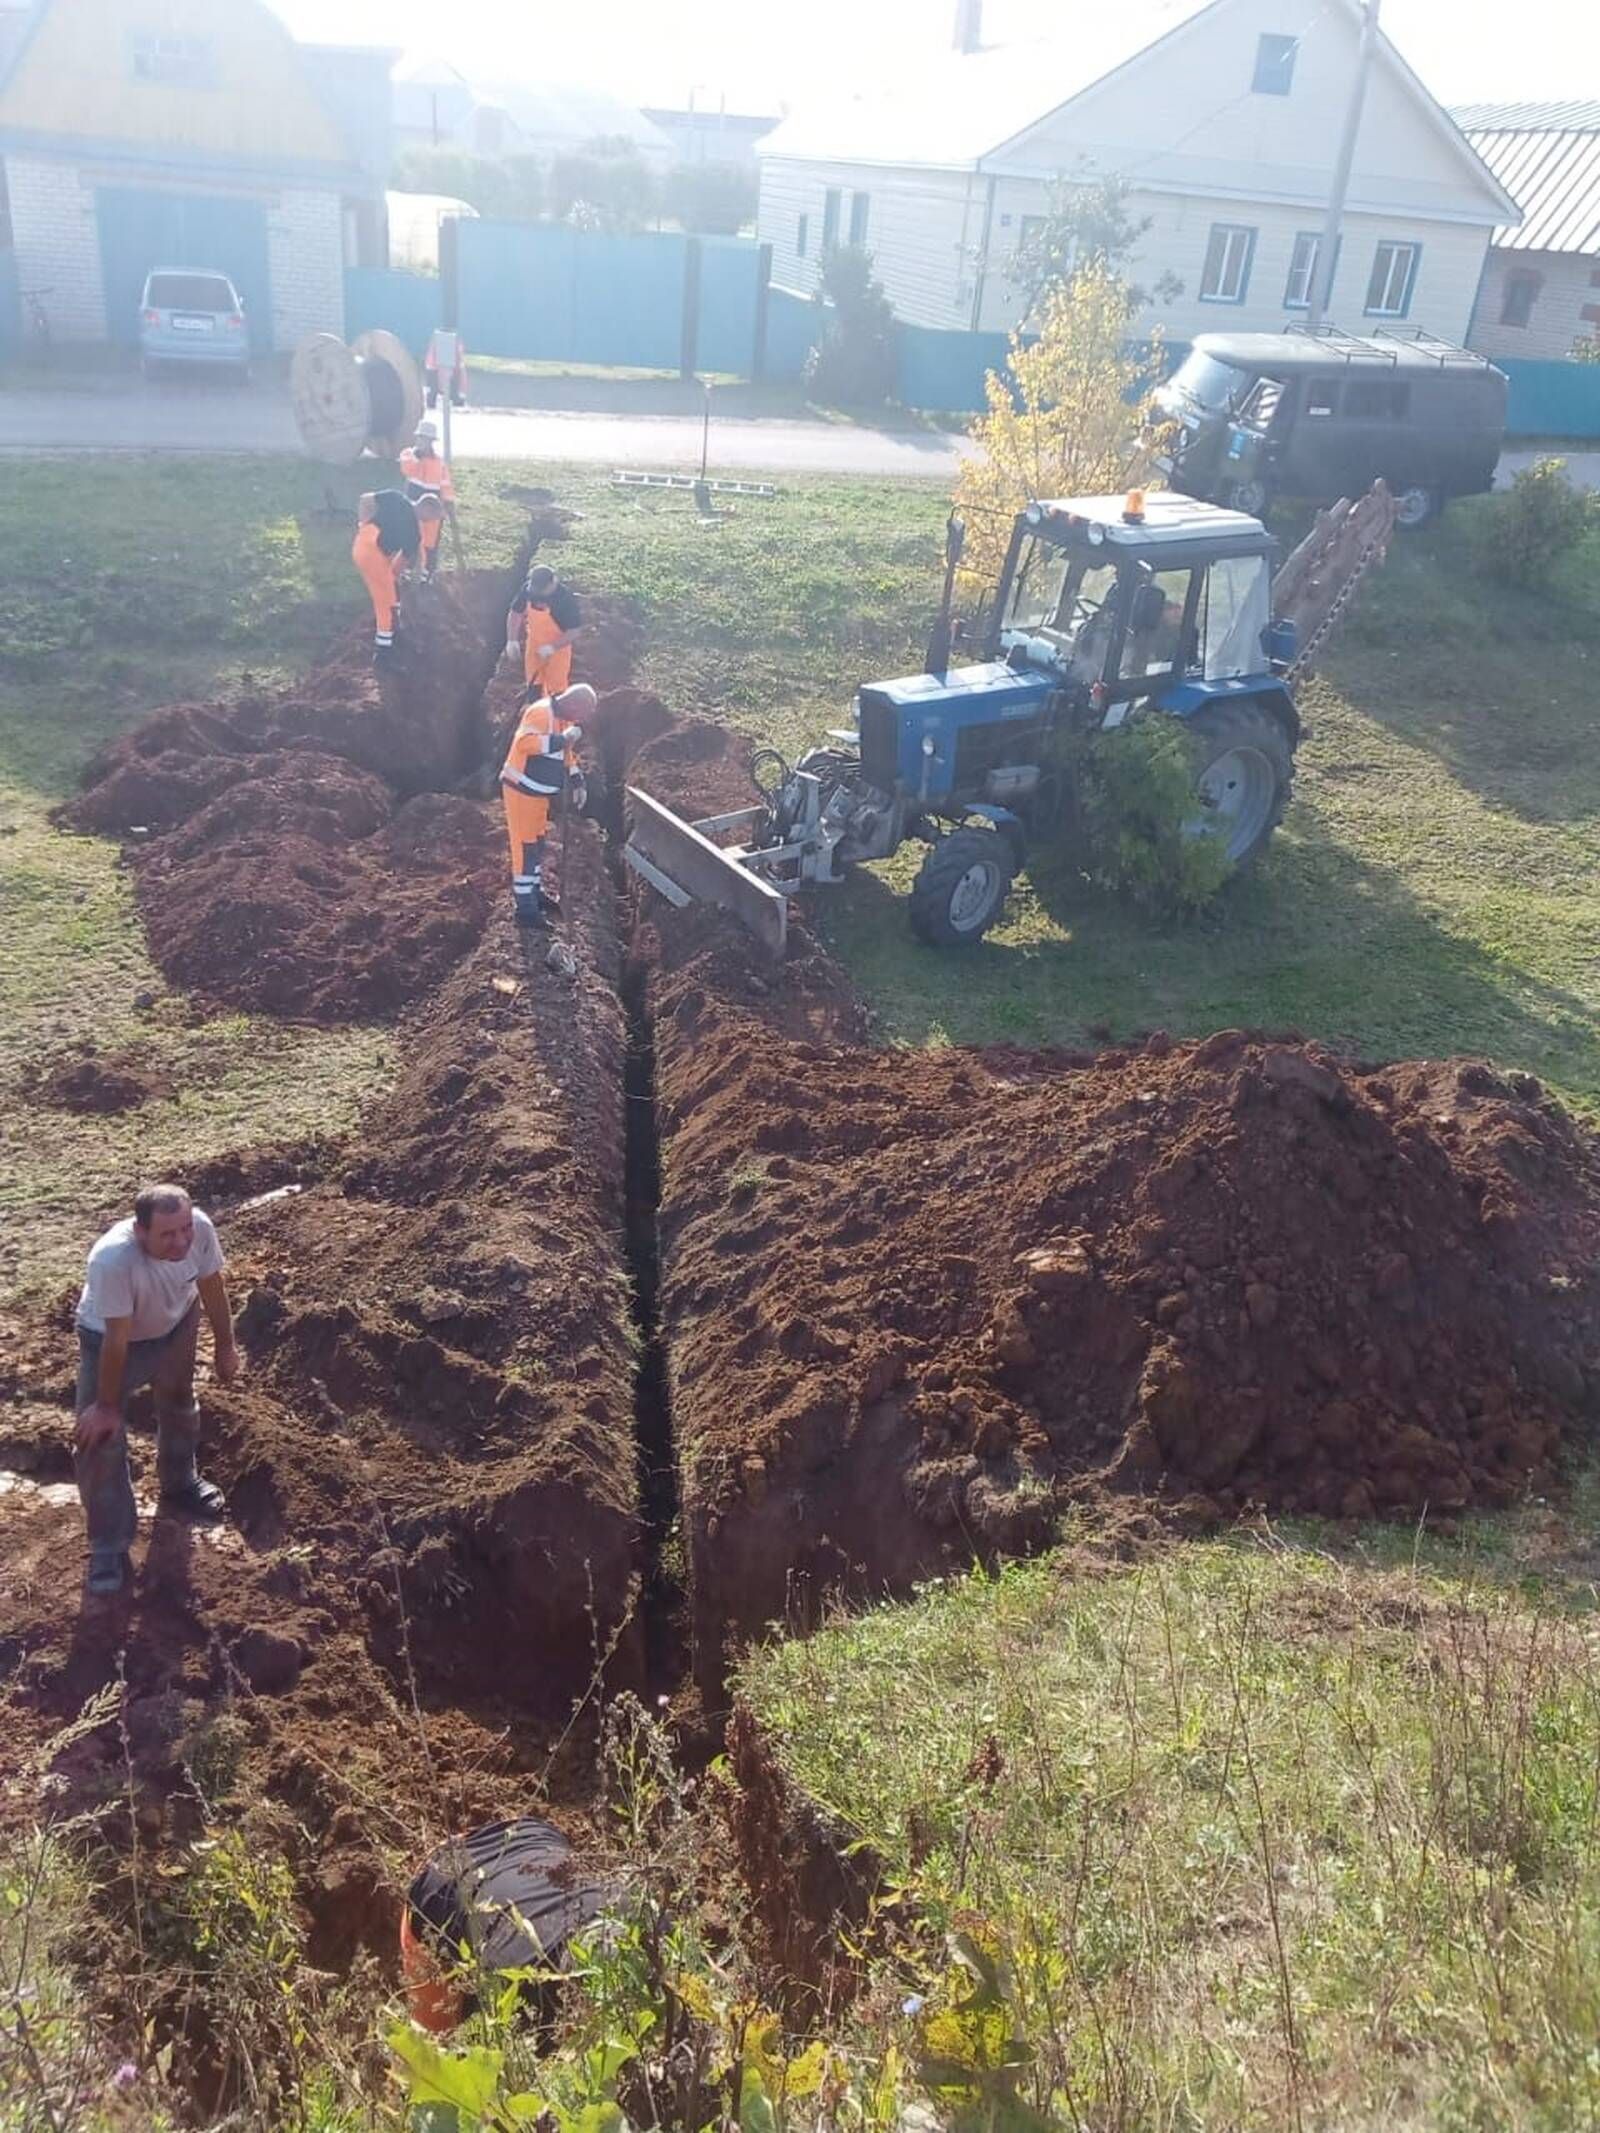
132 416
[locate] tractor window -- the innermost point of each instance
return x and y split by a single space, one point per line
1154 643
1235 608
1036 589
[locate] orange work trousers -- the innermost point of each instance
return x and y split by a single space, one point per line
547 676
382 575
430 529
527 825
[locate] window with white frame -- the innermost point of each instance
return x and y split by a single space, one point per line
1302 271
173 60
1394 275
1226 276
830 218
860 215
802 235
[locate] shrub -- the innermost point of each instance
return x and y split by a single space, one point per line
854 363
1136 795
714 199
1524 532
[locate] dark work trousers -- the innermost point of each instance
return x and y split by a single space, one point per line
105 1484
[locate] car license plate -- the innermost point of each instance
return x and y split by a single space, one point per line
191 325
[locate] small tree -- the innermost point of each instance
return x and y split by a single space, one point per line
713 199
479 180
1087 223
853 365
1064 417
605 185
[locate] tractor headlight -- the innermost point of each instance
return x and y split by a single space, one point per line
1034 514
929 746
1095 535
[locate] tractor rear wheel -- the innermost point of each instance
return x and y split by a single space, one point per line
961 887
1244 770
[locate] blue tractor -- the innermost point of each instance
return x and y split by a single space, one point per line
1108 609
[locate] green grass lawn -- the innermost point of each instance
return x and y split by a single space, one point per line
1433 890
1247 1836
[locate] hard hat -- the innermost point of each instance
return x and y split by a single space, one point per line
430 430
580 697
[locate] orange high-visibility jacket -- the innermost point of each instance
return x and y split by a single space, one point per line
539 757
427 475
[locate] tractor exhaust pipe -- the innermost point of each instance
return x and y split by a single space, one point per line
937 658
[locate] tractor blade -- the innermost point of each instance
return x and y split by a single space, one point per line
672 854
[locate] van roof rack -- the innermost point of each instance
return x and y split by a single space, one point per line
1431 344
1352 346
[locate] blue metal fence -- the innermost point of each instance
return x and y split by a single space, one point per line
733 276
1552 399
794 324
408 304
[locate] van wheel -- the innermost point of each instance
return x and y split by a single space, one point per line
1250 497
1414 507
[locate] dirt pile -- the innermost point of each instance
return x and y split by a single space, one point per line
302 853
915 1300
92 1082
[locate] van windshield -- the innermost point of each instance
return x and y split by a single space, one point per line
1209 382
189 292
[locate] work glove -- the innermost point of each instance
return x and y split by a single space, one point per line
543 653
568 737
578 792
513 647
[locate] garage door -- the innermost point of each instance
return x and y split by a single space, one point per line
142 229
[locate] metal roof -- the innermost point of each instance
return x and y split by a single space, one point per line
1401 350
965 106
1168 516
1547 156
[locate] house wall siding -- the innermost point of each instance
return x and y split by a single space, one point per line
58 244
1448 271
1566 308
923 231
305 252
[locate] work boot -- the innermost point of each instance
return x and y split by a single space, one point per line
196 1499
530 911
108 1572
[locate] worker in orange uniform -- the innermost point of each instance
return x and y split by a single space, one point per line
426 473
540 767
544 619
388 538
454 380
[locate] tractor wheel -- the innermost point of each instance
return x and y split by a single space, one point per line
961 887
1244 768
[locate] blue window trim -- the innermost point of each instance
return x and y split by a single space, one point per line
1303 303
859 224
1396 244
1232 302
802 235
1282 64
832 214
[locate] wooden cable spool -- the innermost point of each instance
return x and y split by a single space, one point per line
350 400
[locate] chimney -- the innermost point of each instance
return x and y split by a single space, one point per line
969 25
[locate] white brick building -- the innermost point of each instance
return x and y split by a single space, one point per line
199 135
1541 291
1223 119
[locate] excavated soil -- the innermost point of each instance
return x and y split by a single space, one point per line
915 1301
430 1460
91 1082
301 853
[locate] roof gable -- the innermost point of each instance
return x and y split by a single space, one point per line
225 82
1161 92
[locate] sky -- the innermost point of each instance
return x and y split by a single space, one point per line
764 55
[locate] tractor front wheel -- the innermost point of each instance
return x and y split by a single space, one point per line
961 887
1244 769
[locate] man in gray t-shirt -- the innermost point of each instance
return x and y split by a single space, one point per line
149 1278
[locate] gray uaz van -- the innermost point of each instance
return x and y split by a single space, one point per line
1318 416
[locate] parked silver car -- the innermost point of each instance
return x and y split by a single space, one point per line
192 315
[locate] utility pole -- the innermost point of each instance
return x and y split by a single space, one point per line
1328 242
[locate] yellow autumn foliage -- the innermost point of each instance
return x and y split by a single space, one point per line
1064 418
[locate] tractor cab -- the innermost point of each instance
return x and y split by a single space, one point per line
1121 598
